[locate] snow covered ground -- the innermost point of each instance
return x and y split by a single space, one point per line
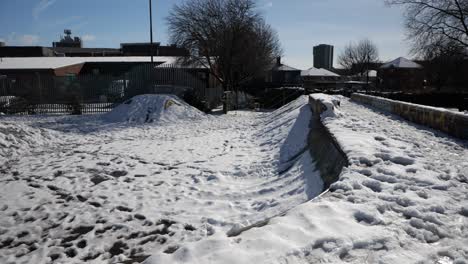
184 187
403 199
148 177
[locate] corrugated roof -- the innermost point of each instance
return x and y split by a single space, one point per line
59 62
318 72
401 63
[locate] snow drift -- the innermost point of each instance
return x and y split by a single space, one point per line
153 109
17 138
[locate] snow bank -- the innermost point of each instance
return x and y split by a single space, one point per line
331 103
153 109
16 138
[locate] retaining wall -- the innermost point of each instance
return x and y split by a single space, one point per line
329 157
452 123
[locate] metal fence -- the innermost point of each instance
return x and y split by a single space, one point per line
47 94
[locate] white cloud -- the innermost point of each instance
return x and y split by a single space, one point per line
14 39
88 38
269 4
28 40
41 7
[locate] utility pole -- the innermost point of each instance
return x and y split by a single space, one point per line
151 30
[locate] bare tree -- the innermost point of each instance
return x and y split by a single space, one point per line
230 37
435 24
357 58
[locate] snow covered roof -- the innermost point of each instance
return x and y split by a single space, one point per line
401 63
59 62
318 72
284 67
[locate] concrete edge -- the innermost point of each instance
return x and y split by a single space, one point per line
324 148
452 123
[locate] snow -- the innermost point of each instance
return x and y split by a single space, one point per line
236 188
401 63
106 192
153 108
318 72
331 103
402 200
16 139
423 107
59 62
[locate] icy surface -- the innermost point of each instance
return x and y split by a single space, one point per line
96 191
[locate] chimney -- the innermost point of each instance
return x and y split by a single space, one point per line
278 61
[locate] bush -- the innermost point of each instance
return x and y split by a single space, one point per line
192 99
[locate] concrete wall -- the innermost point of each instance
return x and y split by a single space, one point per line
329 157
452 123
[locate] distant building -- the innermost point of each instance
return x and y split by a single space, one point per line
282 75
85 52
144 49
21 51
319 79
73 66
69 46
401 74
67 41
323 56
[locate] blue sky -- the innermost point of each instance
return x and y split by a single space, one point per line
301 24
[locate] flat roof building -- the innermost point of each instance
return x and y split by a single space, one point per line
144 49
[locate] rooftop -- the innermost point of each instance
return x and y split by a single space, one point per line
318 72
401 63
59 62
284 67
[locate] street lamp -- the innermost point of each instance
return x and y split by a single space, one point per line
151 31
